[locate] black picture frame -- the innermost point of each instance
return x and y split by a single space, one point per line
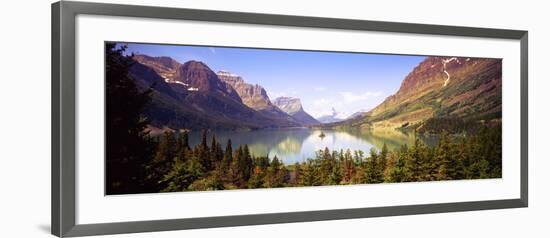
64 121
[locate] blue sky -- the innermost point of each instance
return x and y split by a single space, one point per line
347 82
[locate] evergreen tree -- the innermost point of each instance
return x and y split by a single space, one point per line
276 174
185 141
236 170
335 176
182 175
216 153
247 163
163 161
310 175
227 156
203 152
295 175
371 168
128 146
257 177
182 142
348 167
443 168
214 181
382 163
415 164
326 164
399 173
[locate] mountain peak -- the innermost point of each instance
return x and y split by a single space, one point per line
293 107
163 65
334 116
196 65
288 104
253 96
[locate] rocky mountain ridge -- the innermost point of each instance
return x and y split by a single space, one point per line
293 107
459 87
191 95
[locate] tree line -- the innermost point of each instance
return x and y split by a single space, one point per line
178 167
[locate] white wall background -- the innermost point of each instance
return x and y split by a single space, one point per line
25 118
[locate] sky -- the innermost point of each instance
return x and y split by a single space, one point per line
347 82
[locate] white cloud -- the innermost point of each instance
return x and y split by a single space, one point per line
345 103
350 97
323 106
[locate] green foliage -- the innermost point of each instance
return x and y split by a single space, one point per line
182 175
454 157
128 144
453 125
399 173
276 174
310 173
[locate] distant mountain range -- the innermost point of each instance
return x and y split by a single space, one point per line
336 116
331 118
459 87
192 96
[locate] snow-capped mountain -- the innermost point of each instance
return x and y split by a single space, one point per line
335 116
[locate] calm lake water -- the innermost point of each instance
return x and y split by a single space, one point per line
298 144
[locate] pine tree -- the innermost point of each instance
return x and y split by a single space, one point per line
275 175
348 167
202 152
216 154
164 159
128 146
310 175
182 175
257 177
335 176
185 141
326 165
399 171
245 164
415 164
182 142
371 168
227 156
443 168
236 170
295 175
382 163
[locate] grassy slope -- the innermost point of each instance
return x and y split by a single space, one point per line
474 93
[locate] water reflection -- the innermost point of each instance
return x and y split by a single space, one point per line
298 144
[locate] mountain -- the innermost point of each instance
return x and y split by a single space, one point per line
450 87
357 114
164 66
191 76
293 107
255 97
192 96
333 117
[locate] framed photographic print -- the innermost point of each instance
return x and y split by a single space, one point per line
166 119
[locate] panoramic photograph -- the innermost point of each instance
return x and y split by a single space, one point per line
185 118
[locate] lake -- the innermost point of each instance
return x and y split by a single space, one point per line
298 144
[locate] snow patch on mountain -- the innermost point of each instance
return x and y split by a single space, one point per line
445 61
